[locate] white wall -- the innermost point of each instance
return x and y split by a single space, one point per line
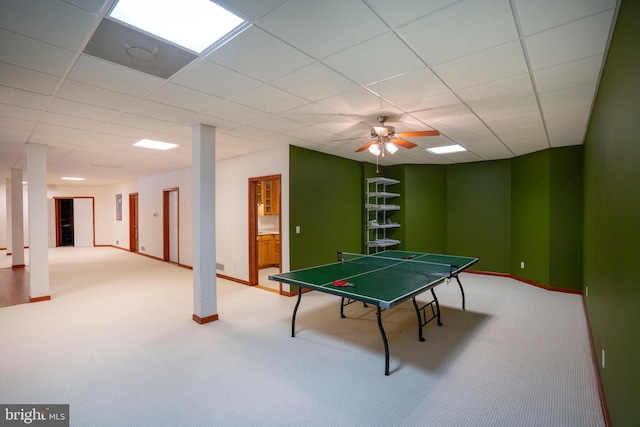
232 207
101 206
3 215
232 210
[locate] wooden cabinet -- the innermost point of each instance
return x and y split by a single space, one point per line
268 250
268 195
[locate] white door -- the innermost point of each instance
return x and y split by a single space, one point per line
83 222
173 226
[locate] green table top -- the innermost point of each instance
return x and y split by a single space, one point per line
385 279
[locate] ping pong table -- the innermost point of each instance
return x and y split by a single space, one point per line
384 279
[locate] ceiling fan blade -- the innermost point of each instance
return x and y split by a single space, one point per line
418 133
403 143
365 146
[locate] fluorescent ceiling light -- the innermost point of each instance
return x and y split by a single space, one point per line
194 24
72 178
446 149
155 145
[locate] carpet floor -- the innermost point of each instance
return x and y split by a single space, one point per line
116 342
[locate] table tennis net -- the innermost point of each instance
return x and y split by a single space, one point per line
407 263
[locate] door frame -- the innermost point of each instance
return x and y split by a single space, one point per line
56 205
165 222
253 225
133 222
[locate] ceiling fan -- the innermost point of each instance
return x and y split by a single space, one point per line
385 138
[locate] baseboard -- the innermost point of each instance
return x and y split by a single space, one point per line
203 320
38 299
527 281
18 266
594 358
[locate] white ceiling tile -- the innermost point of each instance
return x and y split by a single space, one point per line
453 31
408 87
215 79
400 12
375 60
507 108
570 131
250 9
541 15
576 73
314 82
70 122
33 54
106 75
430 103
493 64
55 22
335 25
270 99
183 97
258 54
310 114
80 92
19 113
23 98
512 87
29 80
359 102
78 109
139 122
164 112
576 40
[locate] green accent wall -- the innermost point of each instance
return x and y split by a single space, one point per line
612 220
530 219
566 217
479 213
326 201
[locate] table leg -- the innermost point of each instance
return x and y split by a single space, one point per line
461 290
295 310
384 340
435 298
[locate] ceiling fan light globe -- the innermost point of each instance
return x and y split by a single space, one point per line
374 149
391 147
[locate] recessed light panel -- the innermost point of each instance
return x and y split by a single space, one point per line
155 145
72 178
446 149
194 24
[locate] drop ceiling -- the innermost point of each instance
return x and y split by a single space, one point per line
501 78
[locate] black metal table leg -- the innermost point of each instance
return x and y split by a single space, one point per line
435 298
461 290
295 310
384 340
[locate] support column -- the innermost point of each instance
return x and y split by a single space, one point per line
38 222
17 220
7 194
203 148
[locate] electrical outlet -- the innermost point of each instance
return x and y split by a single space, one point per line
586 291
603 358
142 248
297 229
521 264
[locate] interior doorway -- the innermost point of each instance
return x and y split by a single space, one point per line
265 254
74 220
170 220
64 223
133 222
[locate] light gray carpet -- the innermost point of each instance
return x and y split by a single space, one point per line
117 343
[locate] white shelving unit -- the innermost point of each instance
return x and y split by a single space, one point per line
379 206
